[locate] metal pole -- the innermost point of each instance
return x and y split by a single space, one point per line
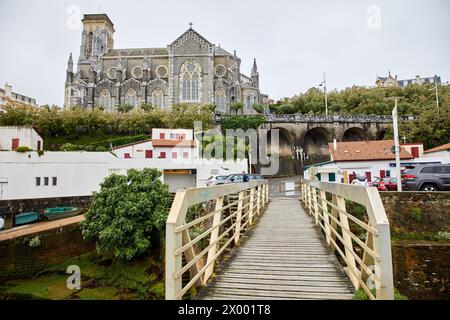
325 91
437 96
397 148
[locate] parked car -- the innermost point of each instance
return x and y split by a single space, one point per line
390 184
239 178
426 177
213 180
379 184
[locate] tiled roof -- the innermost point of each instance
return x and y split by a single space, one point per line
173 143
366 150
440 148
131 144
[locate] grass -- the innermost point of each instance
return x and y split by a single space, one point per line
441 236
362 295
102 278
416 214
91 140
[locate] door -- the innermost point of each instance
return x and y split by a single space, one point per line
382 174
14 144
443 177
369 176
39 145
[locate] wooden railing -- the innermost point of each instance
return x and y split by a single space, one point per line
236 207
367 256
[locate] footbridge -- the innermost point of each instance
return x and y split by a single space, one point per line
233 242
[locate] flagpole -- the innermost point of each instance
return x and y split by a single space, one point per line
325 91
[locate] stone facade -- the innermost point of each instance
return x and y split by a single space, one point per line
189 70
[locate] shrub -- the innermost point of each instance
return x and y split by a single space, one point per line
242 122
127 216
70 147
416 214
23 149
236 106
258 107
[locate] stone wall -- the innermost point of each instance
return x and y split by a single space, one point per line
20 259
9 208
417 211
422 269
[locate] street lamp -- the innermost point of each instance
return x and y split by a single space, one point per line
437 95
324 84
396 143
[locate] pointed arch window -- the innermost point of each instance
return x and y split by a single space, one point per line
158 98
190 79
220 100
248 101
105 100
131 98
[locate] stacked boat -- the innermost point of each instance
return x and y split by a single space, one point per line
47 214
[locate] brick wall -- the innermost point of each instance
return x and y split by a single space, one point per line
18 259
12 207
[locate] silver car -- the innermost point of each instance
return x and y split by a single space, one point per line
427 177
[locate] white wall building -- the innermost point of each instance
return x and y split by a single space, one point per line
12 137
62 174
367 158
442 153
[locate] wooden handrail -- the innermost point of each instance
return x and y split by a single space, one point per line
375 263
253 198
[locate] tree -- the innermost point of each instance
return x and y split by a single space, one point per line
127 216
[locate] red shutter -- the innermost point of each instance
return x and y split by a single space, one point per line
149 154
127 156
415 152
185 155
14 144
369 176
382 174
162 136
39 145
162 155
351 177
174 155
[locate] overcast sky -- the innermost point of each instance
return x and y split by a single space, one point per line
293 41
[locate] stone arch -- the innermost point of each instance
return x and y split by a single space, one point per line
315 145
354 134
287 163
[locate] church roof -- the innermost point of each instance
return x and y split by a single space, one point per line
218 51
136 52
188 31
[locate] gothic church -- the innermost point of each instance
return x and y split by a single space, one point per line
189 70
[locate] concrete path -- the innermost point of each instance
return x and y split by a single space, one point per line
283 257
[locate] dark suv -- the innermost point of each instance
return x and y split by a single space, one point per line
428 177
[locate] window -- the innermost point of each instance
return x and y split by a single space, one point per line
131 98
220 100
158 98
14 144
185 155
38 181
429 170
190 77
162 155
415 152
105 100
149 154
54 181
248 102
127 156
446 169
388 173
162 136
39 145
46 181
331 177
174 155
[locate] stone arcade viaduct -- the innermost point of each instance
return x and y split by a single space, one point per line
312 133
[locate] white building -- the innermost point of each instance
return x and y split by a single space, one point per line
8 97
368 158
442 153
63 174
12 137
171 144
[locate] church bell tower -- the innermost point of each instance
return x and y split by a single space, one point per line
97 37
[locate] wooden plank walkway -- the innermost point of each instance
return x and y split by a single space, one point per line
283 257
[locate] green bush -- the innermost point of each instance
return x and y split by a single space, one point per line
127 217
258 107
23 149
416 214
242 122
70 147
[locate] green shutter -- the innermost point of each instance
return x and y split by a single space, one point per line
332 177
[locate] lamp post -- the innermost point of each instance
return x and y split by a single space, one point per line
396 143
437 94
324 84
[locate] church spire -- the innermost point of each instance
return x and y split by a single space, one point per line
255 67
70 63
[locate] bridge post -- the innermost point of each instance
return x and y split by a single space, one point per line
251 206
173 262
316 207
258 200
214 235
326 219
239 217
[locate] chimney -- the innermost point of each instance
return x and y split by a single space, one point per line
334 144
8 90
